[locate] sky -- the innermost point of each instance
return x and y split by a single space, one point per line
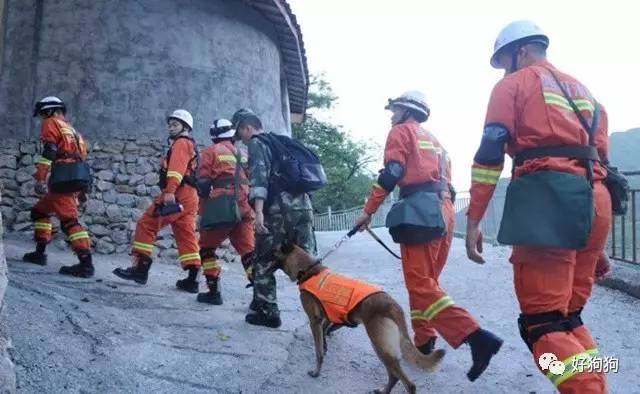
373 50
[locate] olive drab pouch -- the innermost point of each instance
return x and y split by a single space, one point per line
70 177
619 189
547 209
223 211
416 218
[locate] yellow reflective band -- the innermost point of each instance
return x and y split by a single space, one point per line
42 226
78 235
324 279
428 145
143 246
433 310
174 174
229 158
44 161
244 159
438 306
569 371
593 352
210 264
189 256
377 186
561 101
483 175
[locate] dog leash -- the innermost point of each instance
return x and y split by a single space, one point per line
374 236
350 234
338 244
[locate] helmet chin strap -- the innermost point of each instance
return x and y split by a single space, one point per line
405 116
514 59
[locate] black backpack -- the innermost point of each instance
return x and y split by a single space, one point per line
297 168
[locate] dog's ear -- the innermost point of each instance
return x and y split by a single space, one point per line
286 247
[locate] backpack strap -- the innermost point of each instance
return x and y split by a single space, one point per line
587 154
188 179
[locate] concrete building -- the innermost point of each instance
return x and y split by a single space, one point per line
121 65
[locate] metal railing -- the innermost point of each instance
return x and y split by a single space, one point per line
622 244
623 241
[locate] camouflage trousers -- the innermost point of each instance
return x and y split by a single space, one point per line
295 226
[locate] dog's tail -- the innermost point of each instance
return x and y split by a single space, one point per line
409 351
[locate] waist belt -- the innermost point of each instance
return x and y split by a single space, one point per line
225 182
429 187
582 152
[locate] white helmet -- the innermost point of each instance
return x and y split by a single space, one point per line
412 99
182 115
49 102
518 32
222 128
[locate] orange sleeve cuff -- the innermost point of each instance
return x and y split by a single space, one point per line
480 196
172 186
376 198
41 172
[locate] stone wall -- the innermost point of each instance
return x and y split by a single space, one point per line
7 373
125 183
121 65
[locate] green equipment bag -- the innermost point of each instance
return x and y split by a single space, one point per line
547 209
416 218
70 177
223 211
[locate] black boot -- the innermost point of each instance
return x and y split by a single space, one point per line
84 269
255 305
213 296
138 273
484 345
428 347
190 283
38 257
261 318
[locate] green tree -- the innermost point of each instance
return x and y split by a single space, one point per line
344 158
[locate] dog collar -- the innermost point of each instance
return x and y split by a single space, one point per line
302 275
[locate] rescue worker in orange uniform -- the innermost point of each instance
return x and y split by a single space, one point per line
415 161
176 206
529 110
61 143
217 176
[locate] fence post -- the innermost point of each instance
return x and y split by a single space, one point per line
329 216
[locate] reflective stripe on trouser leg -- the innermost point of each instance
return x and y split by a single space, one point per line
42 229
432 309
79 238
187 240
211 266
146 231
189 260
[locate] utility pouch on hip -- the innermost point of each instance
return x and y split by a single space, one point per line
70 177
220 212
547 209
416 218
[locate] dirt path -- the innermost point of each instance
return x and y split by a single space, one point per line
105 335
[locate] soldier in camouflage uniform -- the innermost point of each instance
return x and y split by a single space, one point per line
279 216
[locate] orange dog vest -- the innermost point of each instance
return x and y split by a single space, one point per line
338 294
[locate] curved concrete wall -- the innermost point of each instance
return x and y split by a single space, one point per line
122 64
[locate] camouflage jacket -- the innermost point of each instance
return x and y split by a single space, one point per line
260 171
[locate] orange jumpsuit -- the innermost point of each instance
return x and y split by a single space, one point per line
71 147
182 153
218 164
338 294
421 155
532 110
